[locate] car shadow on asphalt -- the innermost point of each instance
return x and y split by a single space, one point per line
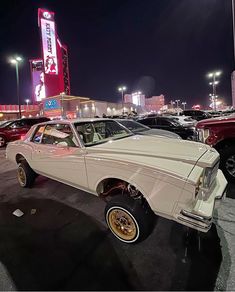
199 258
55 247
63 248
231 191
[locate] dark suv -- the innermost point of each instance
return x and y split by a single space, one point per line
196 114
170 124
13 130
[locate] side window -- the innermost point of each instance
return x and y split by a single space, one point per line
17 125
59 134
37 137
148 122
32 122
163 122
37 121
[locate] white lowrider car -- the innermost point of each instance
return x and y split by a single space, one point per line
138 176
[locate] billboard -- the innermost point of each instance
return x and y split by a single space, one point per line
54 57
48 34
38 82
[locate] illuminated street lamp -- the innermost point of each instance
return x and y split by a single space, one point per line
177 102
15 61
172 103
27 101
122 89
184 104
214 82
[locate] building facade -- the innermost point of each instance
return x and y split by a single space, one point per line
154 103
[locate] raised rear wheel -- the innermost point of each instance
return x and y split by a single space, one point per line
26 176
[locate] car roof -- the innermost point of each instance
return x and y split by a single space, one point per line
80 120
120 120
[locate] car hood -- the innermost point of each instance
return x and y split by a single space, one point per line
217 120
142 148
158 132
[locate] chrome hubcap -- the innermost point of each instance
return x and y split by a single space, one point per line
122 224
21 176
230 165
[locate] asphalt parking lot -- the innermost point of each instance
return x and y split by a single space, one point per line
62 243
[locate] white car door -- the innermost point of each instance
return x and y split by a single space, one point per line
58 155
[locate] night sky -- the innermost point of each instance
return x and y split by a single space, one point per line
156 46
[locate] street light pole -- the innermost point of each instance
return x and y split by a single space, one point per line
214 83
177 102
172 104
16 62
18 88
184 104
122 89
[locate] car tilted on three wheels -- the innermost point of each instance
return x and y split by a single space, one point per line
138 176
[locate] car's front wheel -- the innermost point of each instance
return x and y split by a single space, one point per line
227 162
26 176
128 219
2 141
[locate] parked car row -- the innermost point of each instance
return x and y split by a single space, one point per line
139 176
170 124
14 129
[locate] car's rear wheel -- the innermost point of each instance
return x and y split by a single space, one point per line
26 176
227 162
2 141
128 219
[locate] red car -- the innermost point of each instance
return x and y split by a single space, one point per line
220 134
13 130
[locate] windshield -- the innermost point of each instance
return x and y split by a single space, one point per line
97 132
133 126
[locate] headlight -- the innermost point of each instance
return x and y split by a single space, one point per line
207 177
203 134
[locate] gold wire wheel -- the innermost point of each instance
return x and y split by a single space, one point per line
122 224
21 176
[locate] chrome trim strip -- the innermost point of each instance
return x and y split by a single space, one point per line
195 216
207 227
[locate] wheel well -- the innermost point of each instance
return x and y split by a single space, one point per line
225 143
4 137
20 158
112 186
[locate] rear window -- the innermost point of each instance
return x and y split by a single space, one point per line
147 122
32 122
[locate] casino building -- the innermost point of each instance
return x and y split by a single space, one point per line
51 85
